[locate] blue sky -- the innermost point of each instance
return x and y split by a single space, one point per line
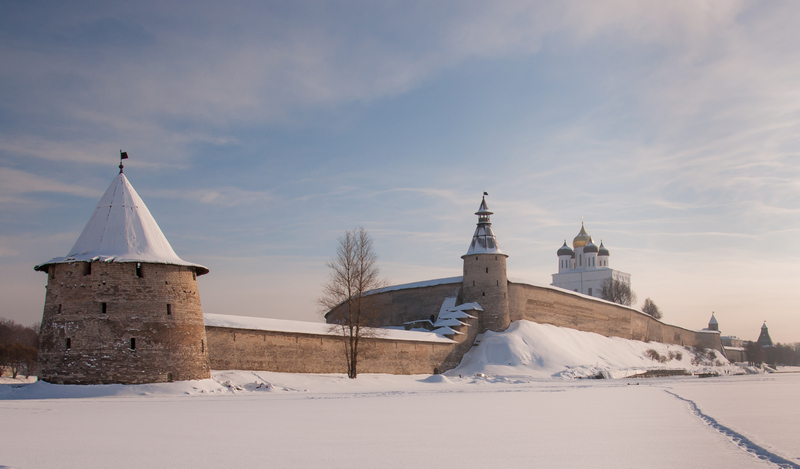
260 131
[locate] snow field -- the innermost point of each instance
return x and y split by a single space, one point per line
512 403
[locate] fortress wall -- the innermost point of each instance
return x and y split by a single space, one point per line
393 308
259 350
550 306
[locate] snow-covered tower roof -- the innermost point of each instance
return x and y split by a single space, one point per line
484 241
764 339
122 230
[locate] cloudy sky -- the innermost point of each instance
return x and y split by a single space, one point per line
260 131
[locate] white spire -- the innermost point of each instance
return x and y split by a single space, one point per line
123 230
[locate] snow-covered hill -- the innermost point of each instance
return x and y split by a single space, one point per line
544 351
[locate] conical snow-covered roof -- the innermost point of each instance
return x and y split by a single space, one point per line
122 230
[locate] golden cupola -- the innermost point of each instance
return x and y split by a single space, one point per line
582 239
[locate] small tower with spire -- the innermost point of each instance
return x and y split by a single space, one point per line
121 306
485 278
713 325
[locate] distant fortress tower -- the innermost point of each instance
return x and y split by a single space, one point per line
485 278
584 269
122 307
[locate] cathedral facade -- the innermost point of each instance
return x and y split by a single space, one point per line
585 267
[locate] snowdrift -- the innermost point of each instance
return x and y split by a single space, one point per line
544 351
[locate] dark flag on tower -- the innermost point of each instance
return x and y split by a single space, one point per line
485 193
123 155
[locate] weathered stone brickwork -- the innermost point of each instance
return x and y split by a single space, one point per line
486 283
248 349
111 322
395 307
551 306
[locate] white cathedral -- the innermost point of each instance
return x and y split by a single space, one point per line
584 267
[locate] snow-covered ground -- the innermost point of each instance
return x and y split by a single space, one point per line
528 413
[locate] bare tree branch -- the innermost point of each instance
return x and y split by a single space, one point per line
353 272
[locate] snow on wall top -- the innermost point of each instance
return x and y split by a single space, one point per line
122 229
315 328
425 283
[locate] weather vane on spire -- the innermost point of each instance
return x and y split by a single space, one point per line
123 155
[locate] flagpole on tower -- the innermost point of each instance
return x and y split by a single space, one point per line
123 155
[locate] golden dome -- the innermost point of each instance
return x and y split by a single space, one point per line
582 238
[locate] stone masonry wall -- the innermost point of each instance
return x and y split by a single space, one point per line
395 307
92 311
259 350
549 306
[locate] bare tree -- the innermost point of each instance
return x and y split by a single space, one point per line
651 309
618 292
353 272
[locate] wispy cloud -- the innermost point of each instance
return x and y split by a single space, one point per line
14 182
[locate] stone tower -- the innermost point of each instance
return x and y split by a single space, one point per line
122 307
485 278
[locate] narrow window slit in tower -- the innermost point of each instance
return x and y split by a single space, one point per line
87 268
169 309
139 269
103 308
487 270
59 309
483 293
194 274
169 377
133 343
498 283
202 346
69 343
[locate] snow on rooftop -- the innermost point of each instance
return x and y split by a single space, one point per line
448 322
315 328
122 229
449 310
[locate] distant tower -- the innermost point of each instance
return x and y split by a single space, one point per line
713 325
122 307
764 339
485 279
